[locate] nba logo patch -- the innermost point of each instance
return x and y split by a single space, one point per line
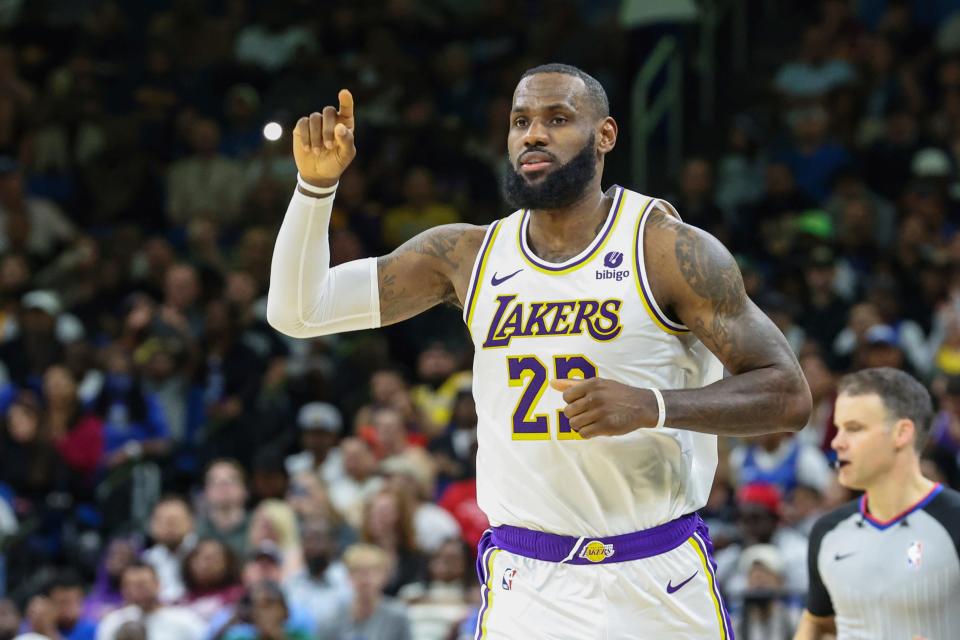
507 582
914 555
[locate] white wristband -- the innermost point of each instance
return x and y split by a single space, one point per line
314 190
661 408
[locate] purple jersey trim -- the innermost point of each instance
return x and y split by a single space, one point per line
550 547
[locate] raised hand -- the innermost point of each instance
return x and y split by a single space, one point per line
323 143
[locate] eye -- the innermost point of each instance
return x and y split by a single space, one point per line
559 120
520 122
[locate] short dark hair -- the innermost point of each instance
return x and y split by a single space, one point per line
174 498
595 90
233 463
902 395
64 579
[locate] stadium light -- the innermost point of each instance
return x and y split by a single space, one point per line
272 131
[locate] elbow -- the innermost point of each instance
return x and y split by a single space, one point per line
283 318
799 405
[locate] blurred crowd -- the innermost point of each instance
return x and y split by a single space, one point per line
171 467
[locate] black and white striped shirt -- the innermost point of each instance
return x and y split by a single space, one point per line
893 579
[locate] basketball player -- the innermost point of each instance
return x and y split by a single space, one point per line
602 324
888 564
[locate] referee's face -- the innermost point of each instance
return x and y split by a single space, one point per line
865 444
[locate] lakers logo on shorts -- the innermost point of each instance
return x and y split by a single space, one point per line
596 551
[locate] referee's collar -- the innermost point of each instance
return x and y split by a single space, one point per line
886 524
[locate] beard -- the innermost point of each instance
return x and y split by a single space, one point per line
560 188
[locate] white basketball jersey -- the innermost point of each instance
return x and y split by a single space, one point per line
592 315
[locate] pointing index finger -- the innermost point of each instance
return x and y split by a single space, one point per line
346 106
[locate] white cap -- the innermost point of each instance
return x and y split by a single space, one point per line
766 554
42 299
320 415
930 163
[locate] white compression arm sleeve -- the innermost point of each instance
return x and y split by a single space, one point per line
307 298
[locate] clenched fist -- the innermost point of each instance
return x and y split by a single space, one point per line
600 407
323 143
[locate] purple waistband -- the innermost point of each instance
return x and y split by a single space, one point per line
550 547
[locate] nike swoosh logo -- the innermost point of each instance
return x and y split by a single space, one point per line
841 556
674 589
495 280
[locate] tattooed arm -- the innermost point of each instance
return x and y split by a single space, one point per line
432 268
698 279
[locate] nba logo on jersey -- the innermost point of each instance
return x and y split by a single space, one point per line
611 261
596 551
507 582
914 554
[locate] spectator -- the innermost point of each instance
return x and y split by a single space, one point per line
780 459
77 433
436 604
105 596
420 210
141 591
180 313
323 585
388 523
211 577
33 226
274 521
263 564
760 508
764 611
224 513
273 41
696 197
37 345
9 619
371 614
205 184
360 481
171 529
29 462
270 616
460 499
439 384
231 381
432 524
58 612
320 424
814 73
310 500
813 157
454 451
134 426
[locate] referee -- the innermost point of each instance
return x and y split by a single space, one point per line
888 564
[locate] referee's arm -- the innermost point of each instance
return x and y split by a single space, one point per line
818 619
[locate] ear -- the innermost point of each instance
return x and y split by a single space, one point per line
904 433
607 135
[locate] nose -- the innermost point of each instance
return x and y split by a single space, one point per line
839 442
536 134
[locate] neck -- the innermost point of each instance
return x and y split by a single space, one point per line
364 606
897 490
558 234
150 607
